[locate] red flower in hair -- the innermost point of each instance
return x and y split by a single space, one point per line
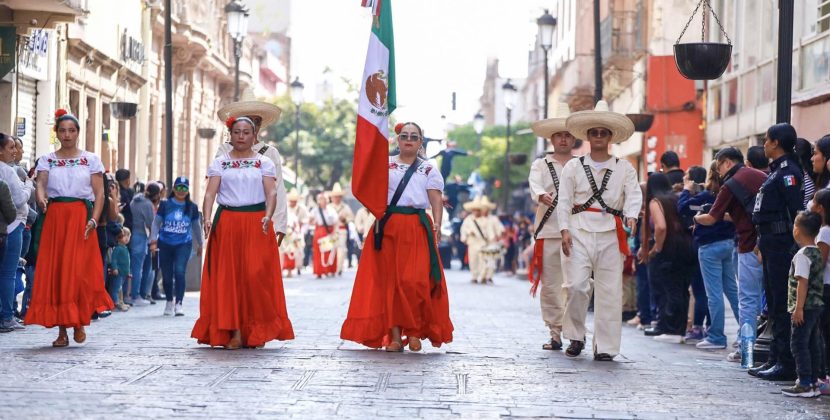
61 112
398 128
230 122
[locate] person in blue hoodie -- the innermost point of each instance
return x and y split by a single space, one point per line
716 247
176 231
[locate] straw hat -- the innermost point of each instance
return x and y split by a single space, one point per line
293 195
336 190
620 125
486 204
473 205
249 106
548 127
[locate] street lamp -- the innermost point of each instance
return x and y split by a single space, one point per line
509 98
547 27
297 98
237 28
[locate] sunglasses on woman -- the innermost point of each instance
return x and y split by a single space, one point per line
409 137
599 133
181 188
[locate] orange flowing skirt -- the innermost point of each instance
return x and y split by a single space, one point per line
242 284
393 289
321 259
69 274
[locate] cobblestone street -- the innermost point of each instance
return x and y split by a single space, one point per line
141 364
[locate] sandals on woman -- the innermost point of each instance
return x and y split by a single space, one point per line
79 335
394 346
62 341
414 344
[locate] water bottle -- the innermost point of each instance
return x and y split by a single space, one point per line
747 345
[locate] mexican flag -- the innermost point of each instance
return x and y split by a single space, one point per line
370 170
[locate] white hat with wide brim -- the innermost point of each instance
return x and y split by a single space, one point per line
293 195
336 190
621 126
548 127
486 204
473 205
249 106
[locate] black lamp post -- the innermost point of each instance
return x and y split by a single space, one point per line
547 27
509 97
297 98
478 126
237 28
597 55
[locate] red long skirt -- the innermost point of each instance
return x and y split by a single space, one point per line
321 259
393 289
69 275
242 284
288 261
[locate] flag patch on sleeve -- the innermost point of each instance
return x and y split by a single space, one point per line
790 181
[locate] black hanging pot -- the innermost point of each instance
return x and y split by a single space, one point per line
206 133
123 110
642 122
517 158
702 60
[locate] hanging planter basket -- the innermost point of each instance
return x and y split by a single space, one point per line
642 122
123 110
206 133
702 60
517 158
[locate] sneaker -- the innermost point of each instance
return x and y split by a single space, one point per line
799 390
179 311
633 322
642 327
735 357
168 309
669 338
695 335
150 300
736 344
705 344
122 307
140 302
11 325
104 314
822 387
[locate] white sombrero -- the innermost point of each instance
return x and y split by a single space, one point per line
293 195
620 125
249 106
548 127
486 204
336 190
472 205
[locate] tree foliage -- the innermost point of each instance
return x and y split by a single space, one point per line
326 140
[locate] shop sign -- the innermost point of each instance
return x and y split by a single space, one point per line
33 59
131 49
8 37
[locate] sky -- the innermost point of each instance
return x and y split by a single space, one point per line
441 46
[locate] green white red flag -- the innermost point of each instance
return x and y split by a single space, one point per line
370 168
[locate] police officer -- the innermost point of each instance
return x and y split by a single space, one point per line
781 197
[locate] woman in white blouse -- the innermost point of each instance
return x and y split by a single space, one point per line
400 289
69 276
242 300
325 238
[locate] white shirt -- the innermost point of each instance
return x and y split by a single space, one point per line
70 177
426 177
20 194
241 179
329 213
824 237
280 216
622 193
541 182
801 264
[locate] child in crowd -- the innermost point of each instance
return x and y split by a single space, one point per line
805 303
821 205
119 265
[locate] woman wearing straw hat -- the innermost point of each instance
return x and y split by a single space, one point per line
400 289
597 194
544 180
345 216
70 270
263 114
242 301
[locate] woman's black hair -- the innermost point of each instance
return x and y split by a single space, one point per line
822 198
139 187
658 187
5 139
804 153
823 145
785 135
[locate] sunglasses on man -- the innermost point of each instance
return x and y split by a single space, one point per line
599 133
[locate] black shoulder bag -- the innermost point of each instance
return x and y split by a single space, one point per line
395 198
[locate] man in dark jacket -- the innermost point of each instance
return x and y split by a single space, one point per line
122 176
670 163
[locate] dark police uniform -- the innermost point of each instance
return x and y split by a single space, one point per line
779 200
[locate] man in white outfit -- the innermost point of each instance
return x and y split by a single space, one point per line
546 264
598 193
346 216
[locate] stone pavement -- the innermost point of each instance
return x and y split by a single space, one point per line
141 364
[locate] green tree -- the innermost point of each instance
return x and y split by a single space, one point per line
326 140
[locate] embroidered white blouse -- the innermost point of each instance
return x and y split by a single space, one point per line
426 177
70 177
241 179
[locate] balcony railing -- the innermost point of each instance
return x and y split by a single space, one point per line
622 37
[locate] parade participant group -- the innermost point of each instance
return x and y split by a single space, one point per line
742 224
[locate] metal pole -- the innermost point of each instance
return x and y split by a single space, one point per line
597 55
785 60
507 166
545 115
168 93
297 149
237 52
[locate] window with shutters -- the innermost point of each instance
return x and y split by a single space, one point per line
823 16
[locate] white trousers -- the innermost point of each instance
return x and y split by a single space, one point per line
597 253
342 250
552 295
